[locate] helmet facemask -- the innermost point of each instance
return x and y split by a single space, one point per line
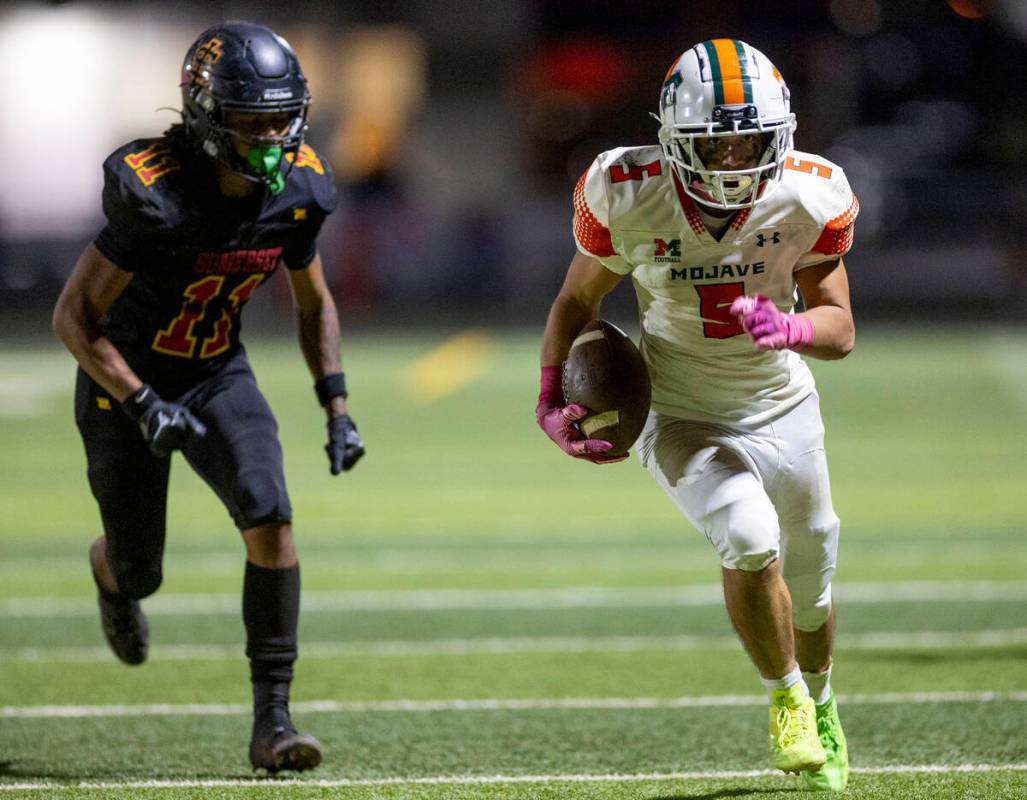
263 161
727 188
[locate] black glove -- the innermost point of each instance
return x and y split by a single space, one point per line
165 426
344 447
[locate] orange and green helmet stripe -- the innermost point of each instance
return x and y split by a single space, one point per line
731 70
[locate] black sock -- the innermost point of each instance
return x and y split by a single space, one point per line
270 611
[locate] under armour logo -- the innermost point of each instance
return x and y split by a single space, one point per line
774 238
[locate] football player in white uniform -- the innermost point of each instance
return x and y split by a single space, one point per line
721 226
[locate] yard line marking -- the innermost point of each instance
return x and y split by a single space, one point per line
900 640
526 599
490 704
1004 356
25 395
451 366
476 780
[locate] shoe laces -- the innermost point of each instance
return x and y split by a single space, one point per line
792 726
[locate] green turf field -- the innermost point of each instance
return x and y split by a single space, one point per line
484 617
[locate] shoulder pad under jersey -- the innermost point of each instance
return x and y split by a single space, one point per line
141 191
615 184
822 191
310 177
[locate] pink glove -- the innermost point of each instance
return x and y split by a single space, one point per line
557 420
768 328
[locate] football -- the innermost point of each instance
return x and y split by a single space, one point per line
606 373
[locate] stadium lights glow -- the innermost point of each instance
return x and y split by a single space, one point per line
85 80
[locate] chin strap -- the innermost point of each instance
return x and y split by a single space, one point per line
268 160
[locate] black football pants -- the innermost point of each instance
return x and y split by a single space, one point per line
240 458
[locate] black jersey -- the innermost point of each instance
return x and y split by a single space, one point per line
196 255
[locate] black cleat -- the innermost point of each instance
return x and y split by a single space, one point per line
277 745
124 626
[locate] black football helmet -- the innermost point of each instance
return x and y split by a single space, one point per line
246 68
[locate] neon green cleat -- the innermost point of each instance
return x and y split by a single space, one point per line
834 775
794 745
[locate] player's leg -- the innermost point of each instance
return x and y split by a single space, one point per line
130 487
271 595
814 651
717 486
241 459
760 609
809 536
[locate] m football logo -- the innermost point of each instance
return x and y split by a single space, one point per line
666 251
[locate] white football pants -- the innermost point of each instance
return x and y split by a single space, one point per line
757 494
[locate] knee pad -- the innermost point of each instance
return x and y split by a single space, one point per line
136 582
745 541
260 498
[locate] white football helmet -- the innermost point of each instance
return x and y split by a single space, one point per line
725 87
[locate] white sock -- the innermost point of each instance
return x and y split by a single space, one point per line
819 684
785 682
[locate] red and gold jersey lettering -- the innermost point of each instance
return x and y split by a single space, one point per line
219 341
809 167
836 238
589 231
151 163
177 339
306 157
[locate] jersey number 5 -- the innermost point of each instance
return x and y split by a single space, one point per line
177 338
715 308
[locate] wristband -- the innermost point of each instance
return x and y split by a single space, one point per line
550 390
551 385
330 386
139 401
800 332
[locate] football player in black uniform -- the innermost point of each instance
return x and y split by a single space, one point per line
196 220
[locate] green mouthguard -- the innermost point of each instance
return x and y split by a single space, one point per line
267 160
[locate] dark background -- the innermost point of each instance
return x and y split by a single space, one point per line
457 131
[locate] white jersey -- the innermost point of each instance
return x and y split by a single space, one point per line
632 215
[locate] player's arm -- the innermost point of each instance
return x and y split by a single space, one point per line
94 284
586 284
318 326
321 342
825 293
825 330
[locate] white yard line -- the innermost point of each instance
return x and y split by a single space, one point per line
483 780
900 640
525 599
1007 357
488 704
